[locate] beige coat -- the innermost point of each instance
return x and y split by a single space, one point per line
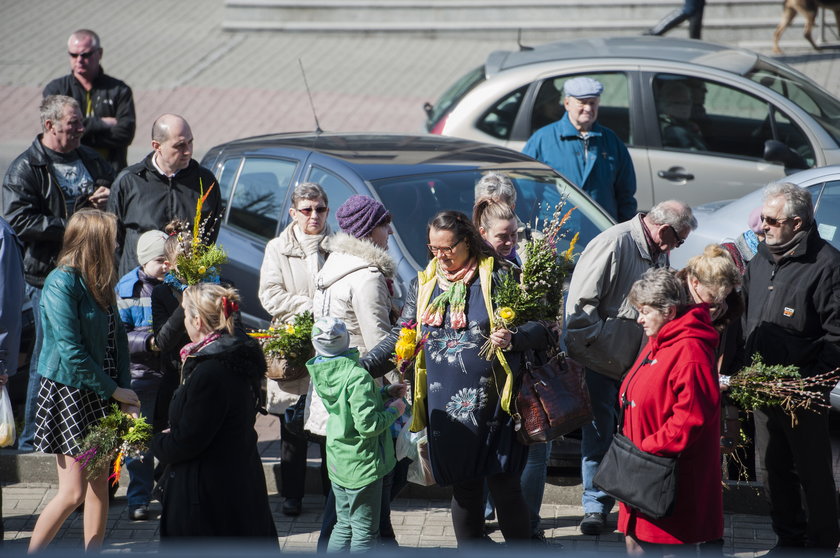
353 287
286 289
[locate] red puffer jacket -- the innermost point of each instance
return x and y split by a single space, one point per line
674 410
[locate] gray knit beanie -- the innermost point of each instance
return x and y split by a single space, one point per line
330 337
150 246
359 215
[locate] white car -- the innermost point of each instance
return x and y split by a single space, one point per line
758 118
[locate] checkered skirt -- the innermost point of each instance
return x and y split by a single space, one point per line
65 413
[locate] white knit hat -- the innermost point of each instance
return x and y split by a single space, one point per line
150 246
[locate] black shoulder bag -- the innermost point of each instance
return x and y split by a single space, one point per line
642 480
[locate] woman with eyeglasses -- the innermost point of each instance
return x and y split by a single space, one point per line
287 285
457 393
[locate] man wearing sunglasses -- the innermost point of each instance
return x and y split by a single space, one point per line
601 329
792 294
107 103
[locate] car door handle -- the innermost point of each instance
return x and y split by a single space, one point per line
675 174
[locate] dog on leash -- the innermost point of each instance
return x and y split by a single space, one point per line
808 9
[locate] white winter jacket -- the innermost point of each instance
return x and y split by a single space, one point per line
353 286
286 289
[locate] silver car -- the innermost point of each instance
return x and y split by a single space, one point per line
758 118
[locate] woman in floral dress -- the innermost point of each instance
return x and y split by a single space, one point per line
458 395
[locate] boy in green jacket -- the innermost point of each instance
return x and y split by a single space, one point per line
359 447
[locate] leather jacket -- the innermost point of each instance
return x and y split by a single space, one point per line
33 204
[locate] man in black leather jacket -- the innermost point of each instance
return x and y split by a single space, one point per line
41 189
107 103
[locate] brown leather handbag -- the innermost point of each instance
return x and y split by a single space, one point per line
551 398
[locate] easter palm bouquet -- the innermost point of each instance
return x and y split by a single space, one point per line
116 436
407 347
287 347
537 293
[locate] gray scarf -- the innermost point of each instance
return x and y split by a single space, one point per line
780 250
311 246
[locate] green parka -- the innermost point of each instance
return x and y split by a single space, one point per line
359 446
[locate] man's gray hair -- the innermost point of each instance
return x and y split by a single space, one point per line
658 288
798 201
309 191
675 213
52 108
496 185
86 33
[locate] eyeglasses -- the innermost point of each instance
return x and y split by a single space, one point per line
680 240
772 221
84 55
445 250
321 209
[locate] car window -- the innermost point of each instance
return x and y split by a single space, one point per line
613 111
728 120
336 188
498 121
414 200
450 98
260 193
226 178
824 108
827 213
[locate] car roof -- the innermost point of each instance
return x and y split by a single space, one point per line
735 60
375 156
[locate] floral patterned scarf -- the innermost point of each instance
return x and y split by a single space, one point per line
454 287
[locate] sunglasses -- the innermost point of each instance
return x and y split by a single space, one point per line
680 240
772 221
320 210
445 250
84 55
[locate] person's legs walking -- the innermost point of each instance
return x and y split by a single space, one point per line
294 446
596 439
514 520
533 482
468 511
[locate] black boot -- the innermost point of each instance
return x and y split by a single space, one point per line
667 23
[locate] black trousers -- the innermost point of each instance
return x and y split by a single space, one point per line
798 460
293 450
511 509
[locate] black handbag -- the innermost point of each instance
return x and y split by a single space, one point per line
642 480
551 398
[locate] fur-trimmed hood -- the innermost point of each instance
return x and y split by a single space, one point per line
365 254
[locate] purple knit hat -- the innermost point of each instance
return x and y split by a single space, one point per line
359 215
754 221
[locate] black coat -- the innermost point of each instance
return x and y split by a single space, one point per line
215 484
793 306
110 97
34 205
145 200
170 336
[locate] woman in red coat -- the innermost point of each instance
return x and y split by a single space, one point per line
673 410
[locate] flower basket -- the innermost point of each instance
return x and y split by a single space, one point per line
282 369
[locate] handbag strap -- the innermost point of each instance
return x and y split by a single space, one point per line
623 402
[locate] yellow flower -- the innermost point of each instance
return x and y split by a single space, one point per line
507 314
202 270
570 252
404 349
290 329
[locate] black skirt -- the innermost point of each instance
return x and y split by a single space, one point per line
65 413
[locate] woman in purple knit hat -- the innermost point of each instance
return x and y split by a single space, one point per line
356 286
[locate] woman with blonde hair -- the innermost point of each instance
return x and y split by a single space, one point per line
215 485
84 364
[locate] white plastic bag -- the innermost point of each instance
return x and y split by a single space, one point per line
420 470
7 419
405 447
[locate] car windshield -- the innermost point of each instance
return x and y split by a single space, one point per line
414 200
454 94
824 108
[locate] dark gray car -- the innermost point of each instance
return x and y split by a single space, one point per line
413 176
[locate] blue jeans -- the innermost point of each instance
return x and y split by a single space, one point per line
357 518
533 481
26 440
596 439
142 471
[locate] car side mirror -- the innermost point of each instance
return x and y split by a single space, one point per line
777 152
